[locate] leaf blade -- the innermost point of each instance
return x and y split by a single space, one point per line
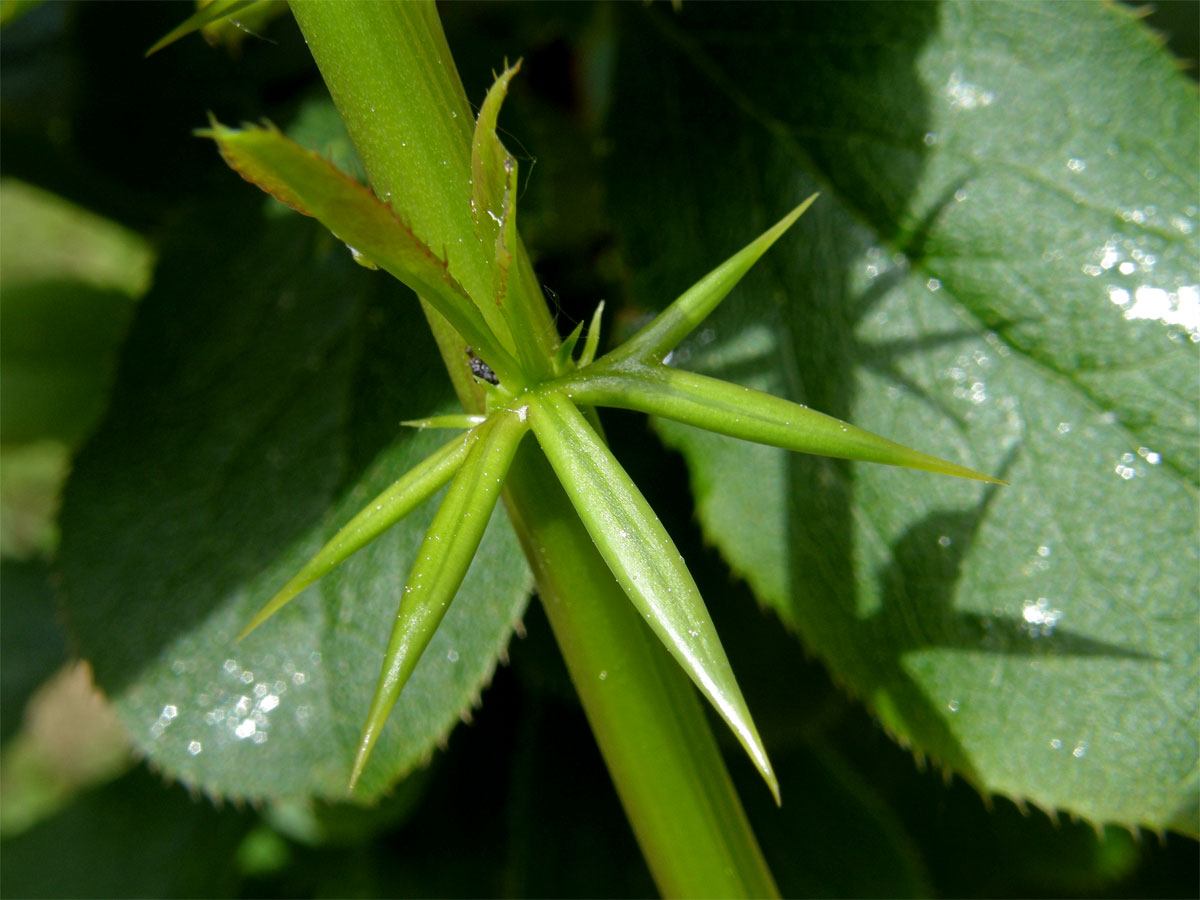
229 459
494 190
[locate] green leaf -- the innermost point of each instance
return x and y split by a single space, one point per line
255 413
494 213
32 642
740 412
69 282
442 562
491 207
643 559
490 163
127 839
1002 269
313 186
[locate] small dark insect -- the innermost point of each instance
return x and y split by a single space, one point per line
480 369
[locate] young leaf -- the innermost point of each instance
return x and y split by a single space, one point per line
489 163
490 167
411 490
508 291
692 307
450 545
494 215
644 560
741 412
312 186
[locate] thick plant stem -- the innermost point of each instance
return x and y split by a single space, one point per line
644 712
389 70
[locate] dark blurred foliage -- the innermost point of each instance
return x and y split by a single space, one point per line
520 803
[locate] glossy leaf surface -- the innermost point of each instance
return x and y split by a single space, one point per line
1002 270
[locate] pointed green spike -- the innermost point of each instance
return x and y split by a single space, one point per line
450 545
692 307
411 490
644 560
593 337
566 350
454 421
751 415
218 9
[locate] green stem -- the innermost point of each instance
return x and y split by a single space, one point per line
644 712
390 72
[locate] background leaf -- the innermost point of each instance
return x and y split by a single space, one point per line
249 422
1002 271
